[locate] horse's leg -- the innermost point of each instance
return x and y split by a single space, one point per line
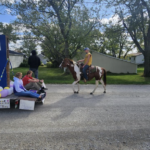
96 83
103 85
75 82
78 88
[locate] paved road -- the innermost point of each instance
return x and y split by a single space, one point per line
117 120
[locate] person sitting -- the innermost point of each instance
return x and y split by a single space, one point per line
32 83
19 89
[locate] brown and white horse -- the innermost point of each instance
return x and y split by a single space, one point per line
99 74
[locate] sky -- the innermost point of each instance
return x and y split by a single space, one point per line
7 18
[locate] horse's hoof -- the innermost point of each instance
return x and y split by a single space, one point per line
91 93
77 92
104 91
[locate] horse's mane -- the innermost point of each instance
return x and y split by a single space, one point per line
72 61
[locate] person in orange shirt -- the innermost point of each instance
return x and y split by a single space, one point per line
87 62
32 83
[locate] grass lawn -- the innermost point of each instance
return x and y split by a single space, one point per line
56 76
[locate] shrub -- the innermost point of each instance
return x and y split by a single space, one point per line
141 65
24 64
55 64
42 64
49 65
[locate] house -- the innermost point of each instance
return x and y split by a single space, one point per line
15 58
43 58
111 64
137 58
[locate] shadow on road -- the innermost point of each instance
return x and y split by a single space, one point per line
68 104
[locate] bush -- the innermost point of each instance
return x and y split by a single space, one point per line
49 65
42 64
24 64
55 64
141 65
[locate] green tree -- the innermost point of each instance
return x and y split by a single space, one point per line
9 31
28 44
117 40
73 22
135 17
53 45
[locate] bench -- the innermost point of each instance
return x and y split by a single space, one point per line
13 101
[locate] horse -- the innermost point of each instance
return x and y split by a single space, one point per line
99 74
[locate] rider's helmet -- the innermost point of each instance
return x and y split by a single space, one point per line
86 49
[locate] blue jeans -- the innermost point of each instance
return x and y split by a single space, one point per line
84 72
27 94
35 71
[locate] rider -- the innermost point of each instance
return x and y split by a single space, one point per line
87 62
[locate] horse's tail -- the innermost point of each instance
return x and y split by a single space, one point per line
104 78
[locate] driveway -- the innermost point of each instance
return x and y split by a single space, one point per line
117 120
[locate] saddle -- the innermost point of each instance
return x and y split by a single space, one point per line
91 69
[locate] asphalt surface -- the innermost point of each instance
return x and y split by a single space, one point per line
117 120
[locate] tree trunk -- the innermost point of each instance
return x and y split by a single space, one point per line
113 53
147 61
120 51
66 49
125 54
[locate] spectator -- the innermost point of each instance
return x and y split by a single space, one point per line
34 62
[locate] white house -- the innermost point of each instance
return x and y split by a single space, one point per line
137 58
43 58
15 58
111 64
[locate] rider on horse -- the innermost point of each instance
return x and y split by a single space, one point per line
87 62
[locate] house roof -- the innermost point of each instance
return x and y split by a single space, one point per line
114 57
135 54
15 53
41 56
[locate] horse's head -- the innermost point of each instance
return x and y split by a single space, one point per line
66 62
